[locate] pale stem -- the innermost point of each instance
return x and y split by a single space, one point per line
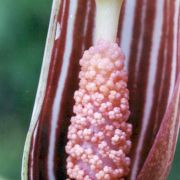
107 18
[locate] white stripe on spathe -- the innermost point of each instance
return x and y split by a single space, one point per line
58 25
134 168
156 40
141 38
58 31
175 46
32 151
61 83
127 29
86 23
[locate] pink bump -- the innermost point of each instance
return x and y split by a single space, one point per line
99 135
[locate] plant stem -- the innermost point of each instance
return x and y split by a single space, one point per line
107 18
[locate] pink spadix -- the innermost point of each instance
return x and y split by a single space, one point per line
99 136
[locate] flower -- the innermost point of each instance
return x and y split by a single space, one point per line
149 36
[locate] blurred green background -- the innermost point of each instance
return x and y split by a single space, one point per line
23 29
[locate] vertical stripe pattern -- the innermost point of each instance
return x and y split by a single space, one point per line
149 34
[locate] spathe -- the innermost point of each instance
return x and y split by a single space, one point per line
149 36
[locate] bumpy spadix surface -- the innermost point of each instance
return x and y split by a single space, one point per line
99 136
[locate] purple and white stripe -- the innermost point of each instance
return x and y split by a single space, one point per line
148 34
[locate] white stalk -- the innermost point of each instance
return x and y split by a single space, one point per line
107 18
